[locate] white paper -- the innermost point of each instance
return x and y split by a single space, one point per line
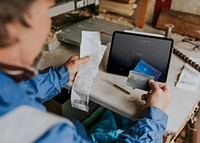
90 45
189 78
197 60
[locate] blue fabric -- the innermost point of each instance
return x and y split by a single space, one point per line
33 92
79 128
108 128
62 133
148 127
47 84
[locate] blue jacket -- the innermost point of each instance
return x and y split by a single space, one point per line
148 127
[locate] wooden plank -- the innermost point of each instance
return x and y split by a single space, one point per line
118 5
115 10
112 17
185 23
101 9
141 13
126 1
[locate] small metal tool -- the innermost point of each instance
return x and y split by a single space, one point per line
168 30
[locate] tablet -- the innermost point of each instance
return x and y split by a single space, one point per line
129 49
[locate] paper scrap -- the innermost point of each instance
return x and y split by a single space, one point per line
189 78
90 45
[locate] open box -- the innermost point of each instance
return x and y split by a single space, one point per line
61 105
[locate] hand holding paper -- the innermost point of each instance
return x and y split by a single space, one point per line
73 65
90 45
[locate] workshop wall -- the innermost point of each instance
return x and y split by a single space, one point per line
190 6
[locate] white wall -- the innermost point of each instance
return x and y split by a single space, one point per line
190 6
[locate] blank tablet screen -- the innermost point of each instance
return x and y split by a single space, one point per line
128 49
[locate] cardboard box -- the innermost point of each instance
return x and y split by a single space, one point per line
61 105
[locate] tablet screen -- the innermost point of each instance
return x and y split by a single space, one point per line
129 51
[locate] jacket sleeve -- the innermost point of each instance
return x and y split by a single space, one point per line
47 84
148 127
62 133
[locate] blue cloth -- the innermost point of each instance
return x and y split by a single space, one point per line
34 92
79 128
108 128
149 126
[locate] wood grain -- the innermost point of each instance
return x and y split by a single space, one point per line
116 7
185 23
126 1
141 13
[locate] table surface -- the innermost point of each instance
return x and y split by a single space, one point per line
129 105
179 111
